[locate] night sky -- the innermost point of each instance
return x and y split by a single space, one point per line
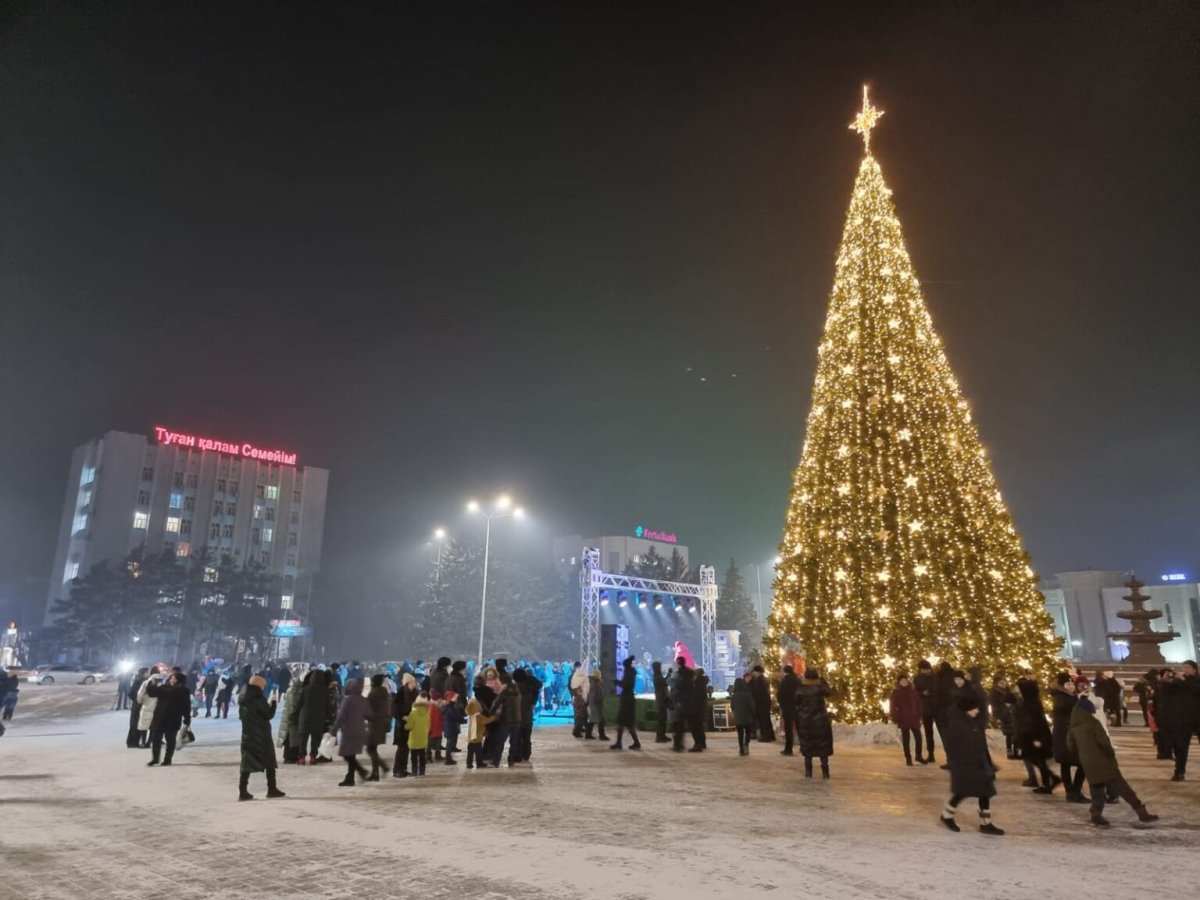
500 245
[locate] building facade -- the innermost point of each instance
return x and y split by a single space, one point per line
1085 605
616 551
173 492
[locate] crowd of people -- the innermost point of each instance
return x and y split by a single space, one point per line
340 710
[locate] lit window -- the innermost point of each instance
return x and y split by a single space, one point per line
258 510
88 476
285 602
210 574
81 521
176 500
272 492
183 549
72 571
141 520
268 535
173 524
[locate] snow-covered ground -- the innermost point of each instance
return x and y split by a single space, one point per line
84 817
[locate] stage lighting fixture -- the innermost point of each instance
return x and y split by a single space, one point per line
622 601
674 604
691 606
658 603
604 598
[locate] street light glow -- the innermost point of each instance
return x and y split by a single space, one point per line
519 513
503 501
439 534
473 506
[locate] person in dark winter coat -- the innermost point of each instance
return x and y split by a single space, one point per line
402 704
679 689
379 723
971 771
456 681
437 679
1063 699
698 710
531 688
134 739
1087 739
974 688
762 705
1003 700
741 698
258 750
945 694
209 689
661 703
785 696
626 707
904 709
452 723
351 724
926 685
173 710
1035 740
314 711
812 722
1183 695
1109 689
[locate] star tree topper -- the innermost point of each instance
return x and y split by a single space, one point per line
866 119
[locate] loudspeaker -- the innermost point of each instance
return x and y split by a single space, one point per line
614 647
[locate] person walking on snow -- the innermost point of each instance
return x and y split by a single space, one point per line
379 723
595 705
258 750
926 685
1090 742
971 771
1063 701
785 694
172 710
741 698
351 722
812 722
626 707
904 709
661 704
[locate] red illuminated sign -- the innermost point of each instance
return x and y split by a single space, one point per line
178 439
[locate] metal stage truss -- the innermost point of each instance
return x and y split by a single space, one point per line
592 581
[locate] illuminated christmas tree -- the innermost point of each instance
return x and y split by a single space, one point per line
898 544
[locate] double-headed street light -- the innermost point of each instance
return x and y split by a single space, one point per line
502 508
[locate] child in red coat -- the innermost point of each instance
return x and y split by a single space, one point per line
904 707
435 727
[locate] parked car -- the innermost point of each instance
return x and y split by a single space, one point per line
66 674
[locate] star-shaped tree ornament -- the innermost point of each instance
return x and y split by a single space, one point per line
866 119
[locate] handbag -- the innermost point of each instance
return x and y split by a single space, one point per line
328 747
186 736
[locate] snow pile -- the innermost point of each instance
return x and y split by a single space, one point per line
876 733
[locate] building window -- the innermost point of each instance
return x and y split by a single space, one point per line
260 491
258 510
226 531
268 535
87 476
193 481
141 520
295 517
256 536
291 560
81 521
210 574
218 508
295 496
183 550
233 486
270 514
285 602
231 508
178 481
176 500
189 504
266 559
143 498
214 532
147 474
220 485
185 526
173 524
169 548
272 492
292 536
71 572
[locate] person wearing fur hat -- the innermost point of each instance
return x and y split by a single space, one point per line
595 705
379 722
812 722
417 725
452 721
904 709
626 707
972 773
477 724
1090 742
1035 739
1063 699
402 704
258 750
741 699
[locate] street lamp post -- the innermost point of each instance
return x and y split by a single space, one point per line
503 508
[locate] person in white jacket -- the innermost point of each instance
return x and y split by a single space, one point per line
146 704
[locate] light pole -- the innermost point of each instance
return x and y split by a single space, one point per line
758 574
439 537
502 508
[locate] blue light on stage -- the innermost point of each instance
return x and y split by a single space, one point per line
604 598
622 601
658 602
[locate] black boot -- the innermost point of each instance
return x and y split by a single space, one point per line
616 745
243 785
273 790
587 733
824 770
807 767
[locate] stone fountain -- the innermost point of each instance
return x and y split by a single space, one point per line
1143 640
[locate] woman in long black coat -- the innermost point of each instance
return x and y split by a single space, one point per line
1035 739
1063 699
971 771
812 722
314 720
258 748
627 707
379 723
762 705
173 709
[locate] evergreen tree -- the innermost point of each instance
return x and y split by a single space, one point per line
735 609
898 544
676 568
650 564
